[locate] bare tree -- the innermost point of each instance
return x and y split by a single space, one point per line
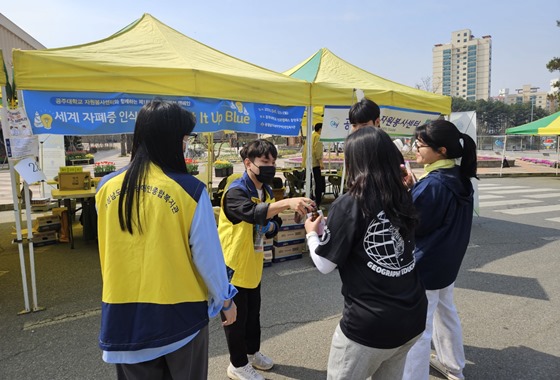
426 84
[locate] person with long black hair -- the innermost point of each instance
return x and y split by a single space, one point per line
369 236
161 261
443 198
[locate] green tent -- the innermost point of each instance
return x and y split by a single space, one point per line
547 126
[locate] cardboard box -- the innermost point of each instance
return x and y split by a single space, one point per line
268 256
74 181
288 233
44 238
288 219
288 242
47 223
288 252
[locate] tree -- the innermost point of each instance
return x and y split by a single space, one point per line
426 84
554 65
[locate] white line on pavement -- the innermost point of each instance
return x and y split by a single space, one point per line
530 210
507 202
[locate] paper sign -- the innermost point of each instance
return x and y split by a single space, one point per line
29 170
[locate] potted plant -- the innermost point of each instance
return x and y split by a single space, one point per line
102 168
192 166
223 168
90 157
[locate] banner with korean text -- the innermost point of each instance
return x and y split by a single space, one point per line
395 121
92 113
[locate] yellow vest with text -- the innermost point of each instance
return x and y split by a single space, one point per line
238 241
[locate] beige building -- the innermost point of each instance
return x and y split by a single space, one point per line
462 67
13 37
530 94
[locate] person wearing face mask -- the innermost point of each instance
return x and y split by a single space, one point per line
248 215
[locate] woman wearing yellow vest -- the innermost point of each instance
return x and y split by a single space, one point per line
247 216
163 269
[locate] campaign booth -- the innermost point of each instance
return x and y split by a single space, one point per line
99 87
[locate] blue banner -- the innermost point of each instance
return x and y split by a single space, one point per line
95 113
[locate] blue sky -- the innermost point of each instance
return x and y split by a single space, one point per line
392 39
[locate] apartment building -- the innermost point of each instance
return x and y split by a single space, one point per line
531 94
462 67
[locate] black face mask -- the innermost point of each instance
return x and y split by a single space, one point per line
266 174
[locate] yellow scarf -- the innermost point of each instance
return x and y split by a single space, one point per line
439 164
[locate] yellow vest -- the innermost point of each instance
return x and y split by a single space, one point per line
132 265
238 241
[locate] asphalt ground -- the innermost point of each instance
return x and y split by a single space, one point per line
508 296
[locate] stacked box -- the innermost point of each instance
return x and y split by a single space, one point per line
290 240
267 252
44 238
287 233
47 223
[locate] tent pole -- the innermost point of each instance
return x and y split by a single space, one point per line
309 148
31 248
17 216
557 154
503 155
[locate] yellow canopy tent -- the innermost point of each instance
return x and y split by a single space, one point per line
334 80
149 57
146 58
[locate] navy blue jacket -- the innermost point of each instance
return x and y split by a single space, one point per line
444 202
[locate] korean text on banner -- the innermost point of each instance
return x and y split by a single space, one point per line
89 113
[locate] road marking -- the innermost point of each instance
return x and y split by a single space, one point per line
62 319
554 220
507 202
540 196
530 190
530 210
497 187
295 271
489 196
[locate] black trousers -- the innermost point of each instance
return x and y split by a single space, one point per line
244 336
189 362
319 184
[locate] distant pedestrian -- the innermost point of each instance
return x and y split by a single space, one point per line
316 162
161 262
369 236
443 198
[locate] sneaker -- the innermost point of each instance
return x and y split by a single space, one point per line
438 366
260 361
246 372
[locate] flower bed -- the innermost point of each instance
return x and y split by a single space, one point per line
102 168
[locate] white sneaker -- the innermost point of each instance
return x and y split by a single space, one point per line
438 366
260 361
243 373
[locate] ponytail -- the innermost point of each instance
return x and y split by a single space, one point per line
468 159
